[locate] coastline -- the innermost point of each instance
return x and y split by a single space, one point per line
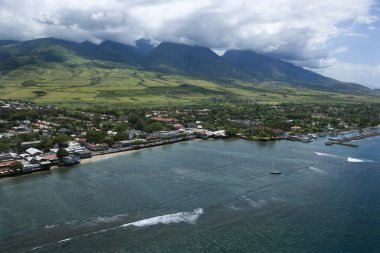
101 157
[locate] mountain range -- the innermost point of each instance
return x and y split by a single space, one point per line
173 58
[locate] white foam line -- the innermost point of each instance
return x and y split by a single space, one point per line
317 170
188 217
324 154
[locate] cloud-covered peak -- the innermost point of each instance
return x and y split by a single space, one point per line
301 31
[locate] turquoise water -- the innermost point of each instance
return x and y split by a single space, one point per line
201 196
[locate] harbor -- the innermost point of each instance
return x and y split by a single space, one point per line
344 141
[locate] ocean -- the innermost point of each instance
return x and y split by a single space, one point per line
202 196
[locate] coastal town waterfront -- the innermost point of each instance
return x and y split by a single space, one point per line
36 138
215 195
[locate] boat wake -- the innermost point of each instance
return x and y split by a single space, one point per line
89 222
317 170
187 217
355 160
182 217
255 204
324 154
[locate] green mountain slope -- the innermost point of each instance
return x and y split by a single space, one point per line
266 68
170 58
192 61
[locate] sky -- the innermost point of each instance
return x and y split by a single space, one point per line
336 38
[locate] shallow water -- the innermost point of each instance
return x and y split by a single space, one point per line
205 196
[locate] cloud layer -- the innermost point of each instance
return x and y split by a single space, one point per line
290 29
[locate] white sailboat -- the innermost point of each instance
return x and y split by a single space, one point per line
274 171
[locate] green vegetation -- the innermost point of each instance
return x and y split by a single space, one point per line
88 85
61 153
112 75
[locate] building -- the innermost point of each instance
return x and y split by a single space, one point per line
30 144
278 132
296 128
177 126
83 154
33 151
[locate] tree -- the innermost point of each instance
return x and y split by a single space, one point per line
16 165
61 140
120 137
96 136
46 144
61 153
121 127
4 147
153 127
232 131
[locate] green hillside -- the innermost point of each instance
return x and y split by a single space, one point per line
51 71
97 83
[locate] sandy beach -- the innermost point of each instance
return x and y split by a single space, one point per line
98 158
106 156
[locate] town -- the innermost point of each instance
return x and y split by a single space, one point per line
37 137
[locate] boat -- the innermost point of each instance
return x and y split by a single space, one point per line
274 171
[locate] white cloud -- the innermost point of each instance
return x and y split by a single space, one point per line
278 26
364 74
339 50
299 31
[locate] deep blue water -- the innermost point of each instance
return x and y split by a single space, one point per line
202 196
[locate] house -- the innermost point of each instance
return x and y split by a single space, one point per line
177 126
6 166
278 132
30 144
259 128
125 143
132 134
4 157
63 130
163 120
29 167
83 154
96 147
296 128
33 151
50 157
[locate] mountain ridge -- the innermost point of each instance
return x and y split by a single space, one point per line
173 58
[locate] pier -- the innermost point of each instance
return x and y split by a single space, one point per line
344 141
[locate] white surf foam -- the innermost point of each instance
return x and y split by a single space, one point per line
354 160
255 204
89 222
317 170
324 154
188 217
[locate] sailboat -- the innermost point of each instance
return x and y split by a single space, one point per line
274 171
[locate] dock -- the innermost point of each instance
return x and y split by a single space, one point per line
344 141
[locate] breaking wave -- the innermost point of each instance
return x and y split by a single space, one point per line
187 217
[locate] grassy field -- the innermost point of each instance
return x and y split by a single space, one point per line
90 84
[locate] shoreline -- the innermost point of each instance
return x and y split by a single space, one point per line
101 157
106 156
